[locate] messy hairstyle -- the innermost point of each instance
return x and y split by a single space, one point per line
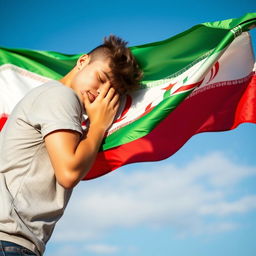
125 73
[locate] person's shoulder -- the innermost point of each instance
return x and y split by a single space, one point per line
53 89
53 86
52 92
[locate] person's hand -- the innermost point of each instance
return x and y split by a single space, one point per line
102 110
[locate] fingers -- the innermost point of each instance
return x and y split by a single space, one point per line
111 92
115 100
116 107
104 90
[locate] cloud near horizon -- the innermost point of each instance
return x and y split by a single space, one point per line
199 198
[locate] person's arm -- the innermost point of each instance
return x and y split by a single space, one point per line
71 157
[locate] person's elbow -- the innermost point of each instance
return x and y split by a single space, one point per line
68 179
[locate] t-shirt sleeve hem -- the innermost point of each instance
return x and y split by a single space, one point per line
53 128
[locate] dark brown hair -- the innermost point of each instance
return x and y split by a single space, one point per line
125 73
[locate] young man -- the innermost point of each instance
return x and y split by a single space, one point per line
44 152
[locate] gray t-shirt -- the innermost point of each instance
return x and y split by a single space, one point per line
31 199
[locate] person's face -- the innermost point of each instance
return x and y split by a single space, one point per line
90 77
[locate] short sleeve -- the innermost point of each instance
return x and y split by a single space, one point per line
56 108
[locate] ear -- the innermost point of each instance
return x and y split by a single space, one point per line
82 61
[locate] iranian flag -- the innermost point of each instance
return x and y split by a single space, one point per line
200 80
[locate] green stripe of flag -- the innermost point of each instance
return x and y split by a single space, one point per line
46 63
158 60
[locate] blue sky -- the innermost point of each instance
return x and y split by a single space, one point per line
202 200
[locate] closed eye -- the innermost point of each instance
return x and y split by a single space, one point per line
101 80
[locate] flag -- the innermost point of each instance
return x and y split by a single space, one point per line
200 80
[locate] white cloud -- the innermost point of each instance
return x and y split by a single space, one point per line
102 248
201 227
242 205
180 198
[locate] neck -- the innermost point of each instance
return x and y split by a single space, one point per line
68 78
